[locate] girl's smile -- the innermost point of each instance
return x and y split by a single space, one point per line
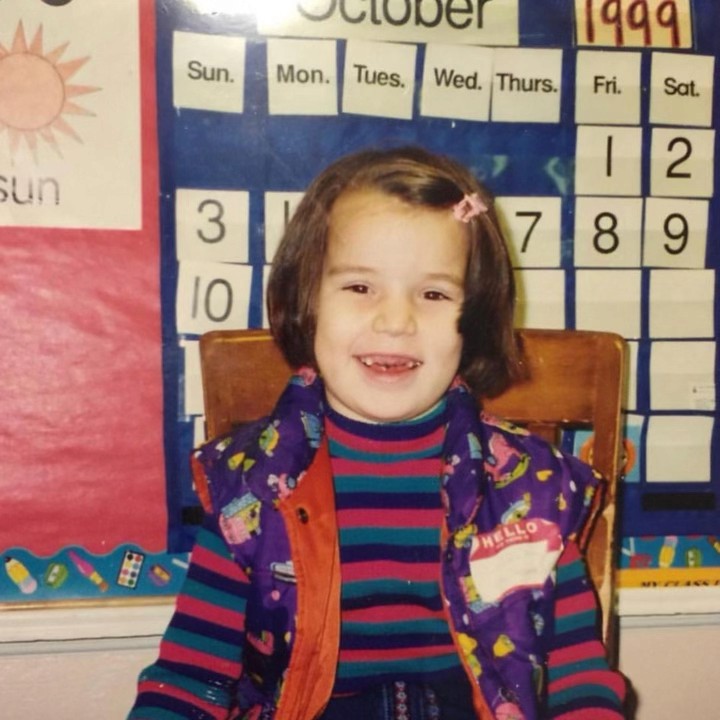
389 363
390 296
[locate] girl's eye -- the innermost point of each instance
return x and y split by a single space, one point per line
359 288
435 295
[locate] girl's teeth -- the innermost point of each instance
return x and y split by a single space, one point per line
410 364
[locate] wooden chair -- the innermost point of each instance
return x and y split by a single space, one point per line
575 380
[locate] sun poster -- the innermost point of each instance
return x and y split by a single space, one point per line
69 114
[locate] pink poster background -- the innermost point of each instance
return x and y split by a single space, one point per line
81 422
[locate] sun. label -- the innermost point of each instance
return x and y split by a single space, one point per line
35 93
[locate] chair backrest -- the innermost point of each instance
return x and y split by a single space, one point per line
575 380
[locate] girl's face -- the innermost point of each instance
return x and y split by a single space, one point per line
391 292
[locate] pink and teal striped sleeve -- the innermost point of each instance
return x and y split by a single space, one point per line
581 685
200 654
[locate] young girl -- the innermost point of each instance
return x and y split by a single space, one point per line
377 548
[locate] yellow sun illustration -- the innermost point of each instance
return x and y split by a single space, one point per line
35 94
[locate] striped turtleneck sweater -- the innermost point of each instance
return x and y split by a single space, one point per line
387 494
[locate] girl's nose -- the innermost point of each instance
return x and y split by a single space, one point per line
395 316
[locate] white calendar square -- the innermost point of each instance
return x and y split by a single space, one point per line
199 432
212 296
193 403
531 226
675 233
212 225
681 89
608 160
540 299
527 85
608 300
457 82
630 390
607 86
266 277
279 208
608 232
208 72
379 79
682 375
678 448
682 303
682 162
302 77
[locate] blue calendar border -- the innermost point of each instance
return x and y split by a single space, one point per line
254 151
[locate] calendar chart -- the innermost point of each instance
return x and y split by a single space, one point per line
592 122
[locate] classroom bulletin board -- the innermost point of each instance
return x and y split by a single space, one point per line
152 152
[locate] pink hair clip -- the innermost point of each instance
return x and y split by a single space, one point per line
469 207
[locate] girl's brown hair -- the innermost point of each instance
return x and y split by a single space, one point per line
490 358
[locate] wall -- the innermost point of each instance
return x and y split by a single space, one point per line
671 660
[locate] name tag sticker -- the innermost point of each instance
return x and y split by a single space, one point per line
513 557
